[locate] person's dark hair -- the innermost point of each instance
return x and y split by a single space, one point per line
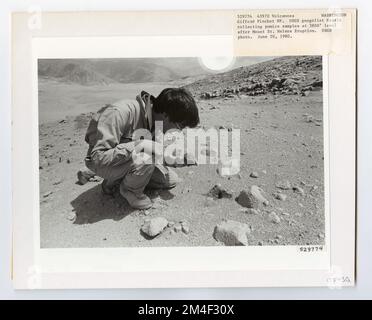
179 105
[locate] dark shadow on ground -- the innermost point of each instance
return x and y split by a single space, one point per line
93 206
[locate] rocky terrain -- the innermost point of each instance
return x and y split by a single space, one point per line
288 75
276 198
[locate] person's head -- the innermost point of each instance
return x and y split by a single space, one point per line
178 108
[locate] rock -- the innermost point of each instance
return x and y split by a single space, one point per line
298 190
280 196
178 228
185 228
232 233
155 226
171 224
217 192
84 175
254 174
273 217
71 216
251 198
246 199
257 193
47 194
283 184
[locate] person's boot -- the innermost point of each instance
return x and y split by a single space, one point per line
136 201
107 189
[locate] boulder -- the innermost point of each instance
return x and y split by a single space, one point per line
232 233
155 226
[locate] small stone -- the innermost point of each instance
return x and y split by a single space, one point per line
298 190
185 229
47 194
283 184
71 216
155 226
55 183
178 228
254 174
273 217
279 237
171 224
257 192
280 196
232 233
217 192
260 243
321 236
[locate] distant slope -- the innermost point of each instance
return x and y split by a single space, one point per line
127 70
71 71
104 71
285 75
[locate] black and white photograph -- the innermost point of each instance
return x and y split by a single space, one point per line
99 117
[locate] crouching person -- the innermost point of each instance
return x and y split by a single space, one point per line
111 145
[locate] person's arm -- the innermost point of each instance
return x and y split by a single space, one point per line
108 150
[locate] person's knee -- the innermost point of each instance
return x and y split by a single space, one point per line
142 169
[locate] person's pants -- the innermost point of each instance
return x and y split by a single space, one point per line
135 177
